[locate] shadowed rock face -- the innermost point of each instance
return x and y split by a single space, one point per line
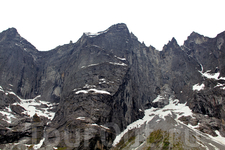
109 78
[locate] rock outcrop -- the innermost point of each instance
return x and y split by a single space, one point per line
105 81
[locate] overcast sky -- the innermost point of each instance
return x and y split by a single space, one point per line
49 23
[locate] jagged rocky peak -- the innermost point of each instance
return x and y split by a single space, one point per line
173 42
11 37
201 47
9 34
119 30
220 40
121 27
171 45
197 38
116 39
106 80
200 39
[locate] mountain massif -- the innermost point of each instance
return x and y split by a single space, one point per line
109 91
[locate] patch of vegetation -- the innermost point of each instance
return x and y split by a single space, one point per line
36 118
159 139
62 148
124 143
155 136
31 147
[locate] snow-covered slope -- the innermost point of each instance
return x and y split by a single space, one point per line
153 120
30 107
19 114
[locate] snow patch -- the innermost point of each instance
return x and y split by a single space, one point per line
209 75
198 87
94 124
119 64
1 89
222 78
7 112
89 86
37 146
218 138
120 58
104 127
89 34
140 145
89 65
92 90
101 126
32 106
214 146
80 118
221 86
113 63
158 98
103 81
81 91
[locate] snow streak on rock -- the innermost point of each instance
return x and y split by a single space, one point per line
119 64
120 58
37 146
7 112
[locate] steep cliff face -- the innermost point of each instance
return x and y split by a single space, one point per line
207 51
95 88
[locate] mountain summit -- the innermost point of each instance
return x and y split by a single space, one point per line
109 91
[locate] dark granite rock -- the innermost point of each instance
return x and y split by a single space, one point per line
110 77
